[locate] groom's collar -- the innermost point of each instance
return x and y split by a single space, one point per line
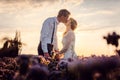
56 20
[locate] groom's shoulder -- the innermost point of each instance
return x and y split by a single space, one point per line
50 19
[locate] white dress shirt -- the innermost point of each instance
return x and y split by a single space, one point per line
46 33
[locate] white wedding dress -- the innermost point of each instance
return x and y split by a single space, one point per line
68 42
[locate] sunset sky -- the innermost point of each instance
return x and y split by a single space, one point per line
95 19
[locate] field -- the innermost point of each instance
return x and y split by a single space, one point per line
87 68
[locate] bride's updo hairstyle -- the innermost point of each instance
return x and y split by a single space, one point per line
73 24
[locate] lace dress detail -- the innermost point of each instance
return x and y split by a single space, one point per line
68 45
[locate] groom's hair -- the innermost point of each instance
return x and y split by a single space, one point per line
63 12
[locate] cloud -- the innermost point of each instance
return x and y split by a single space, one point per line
73 1
38 3
9 6
22 4
35 1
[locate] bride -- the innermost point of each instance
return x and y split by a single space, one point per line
68 40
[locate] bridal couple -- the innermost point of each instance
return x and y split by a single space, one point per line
48 38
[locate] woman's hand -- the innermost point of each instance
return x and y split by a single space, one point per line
56 51
58 56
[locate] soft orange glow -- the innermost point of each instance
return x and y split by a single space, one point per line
94 21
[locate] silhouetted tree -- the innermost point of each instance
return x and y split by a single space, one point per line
11 47
112 39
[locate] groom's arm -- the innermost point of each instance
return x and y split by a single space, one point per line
55 43
44 36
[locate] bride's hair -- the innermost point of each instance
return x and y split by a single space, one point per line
73 24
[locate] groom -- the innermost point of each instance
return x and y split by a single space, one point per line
48 38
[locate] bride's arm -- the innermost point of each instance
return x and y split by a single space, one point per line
69 38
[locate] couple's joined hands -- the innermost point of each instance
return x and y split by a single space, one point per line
46 54
57 55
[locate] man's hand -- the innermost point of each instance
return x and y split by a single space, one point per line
46 55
